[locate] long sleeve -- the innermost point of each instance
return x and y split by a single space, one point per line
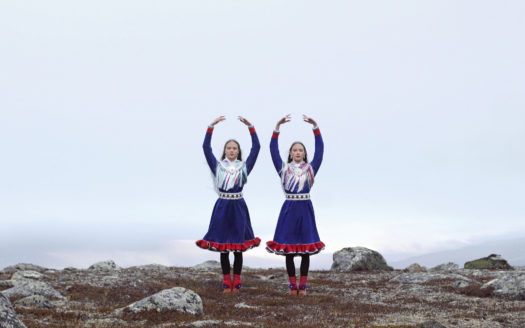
319 150
254 151
274 151
208 153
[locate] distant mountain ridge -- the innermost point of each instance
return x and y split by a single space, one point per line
512 250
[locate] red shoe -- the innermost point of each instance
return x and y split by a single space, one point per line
292 286
302 286
227 284
237 284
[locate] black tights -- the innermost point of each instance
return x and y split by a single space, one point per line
237 262
290 265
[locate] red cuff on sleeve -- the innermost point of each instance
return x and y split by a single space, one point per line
210 130
275 135
317 132
252 129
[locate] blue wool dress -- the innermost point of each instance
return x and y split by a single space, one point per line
230 228
296 231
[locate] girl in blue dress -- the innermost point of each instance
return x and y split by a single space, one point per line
230 228
296 232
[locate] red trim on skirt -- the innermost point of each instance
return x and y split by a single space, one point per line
227 247
286 249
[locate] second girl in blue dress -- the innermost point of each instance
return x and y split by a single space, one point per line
296 232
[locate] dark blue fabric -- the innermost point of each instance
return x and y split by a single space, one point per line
230 222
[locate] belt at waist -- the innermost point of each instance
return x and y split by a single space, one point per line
297 196
233 195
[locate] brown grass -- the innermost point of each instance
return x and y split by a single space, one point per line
270 305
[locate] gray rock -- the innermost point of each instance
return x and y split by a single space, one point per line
235 323
422 277
273 276
491 262
8 318
445 267
35 301
243 305
108 265
431 324
151 267
460 284
109 280
71 269
176 298
415 268
358 259
6 283
510 284
23 267
208 265
29 287
27 274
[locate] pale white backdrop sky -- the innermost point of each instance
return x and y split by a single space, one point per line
104 105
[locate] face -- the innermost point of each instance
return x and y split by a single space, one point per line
231 150
297 153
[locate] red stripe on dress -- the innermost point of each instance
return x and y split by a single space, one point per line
210 130
275 135
317 132
283 249
228 247
252 130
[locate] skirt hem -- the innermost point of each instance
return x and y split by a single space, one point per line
287 249
228 247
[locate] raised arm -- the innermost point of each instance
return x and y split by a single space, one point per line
319 145
256 145
274 151
206 146
274 145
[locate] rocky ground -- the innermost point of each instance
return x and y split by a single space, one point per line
101 296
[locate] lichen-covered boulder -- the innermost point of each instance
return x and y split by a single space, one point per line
23 267
8 318
28 287
108 265
27 274
359 259
35 301
415 268
509 284
174 299
208 265
491 262
450 266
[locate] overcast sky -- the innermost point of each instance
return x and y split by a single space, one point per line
104 106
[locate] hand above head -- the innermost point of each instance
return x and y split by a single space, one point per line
245 121
283 120
309 120
217 120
